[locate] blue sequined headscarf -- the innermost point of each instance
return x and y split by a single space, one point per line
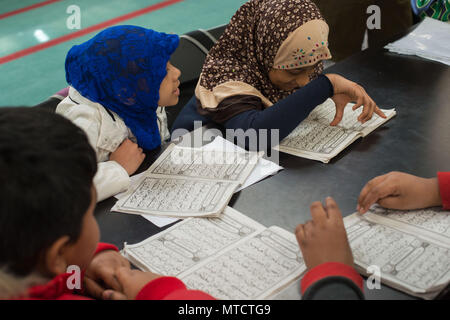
122 68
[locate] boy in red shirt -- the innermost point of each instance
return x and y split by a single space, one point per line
47 226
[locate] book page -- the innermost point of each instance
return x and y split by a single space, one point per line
406 261
325 113
207 164
433 223
317 141
177 197
256 268
264 168
190 242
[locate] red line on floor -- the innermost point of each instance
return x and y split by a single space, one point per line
25 9
82 32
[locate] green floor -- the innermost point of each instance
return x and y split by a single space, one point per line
33 78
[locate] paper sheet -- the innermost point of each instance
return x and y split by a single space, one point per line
430 40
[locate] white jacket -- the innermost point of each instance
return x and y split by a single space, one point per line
105 135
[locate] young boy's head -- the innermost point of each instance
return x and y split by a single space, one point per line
46 214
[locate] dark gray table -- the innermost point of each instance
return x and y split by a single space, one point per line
416 141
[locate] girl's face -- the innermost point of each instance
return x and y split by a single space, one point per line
169 91
82 251
291 79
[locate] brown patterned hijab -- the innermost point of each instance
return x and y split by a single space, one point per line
263 34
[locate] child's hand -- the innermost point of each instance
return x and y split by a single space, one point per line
131 281
101 272
129 156
340 101
346 91
324 239
397 190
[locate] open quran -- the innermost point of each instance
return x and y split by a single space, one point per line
236 258
231 257
315 139
411 248
188 182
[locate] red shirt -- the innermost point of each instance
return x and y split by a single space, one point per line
163 288
444 188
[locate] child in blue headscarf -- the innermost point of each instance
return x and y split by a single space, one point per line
119 80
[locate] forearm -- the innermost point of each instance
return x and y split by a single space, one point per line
286 114
111 178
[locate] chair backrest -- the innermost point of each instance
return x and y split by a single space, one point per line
189 58
192 51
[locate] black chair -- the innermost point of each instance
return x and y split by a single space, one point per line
189 58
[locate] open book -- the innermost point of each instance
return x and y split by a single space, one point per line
231 257
315 139
188 182
410 248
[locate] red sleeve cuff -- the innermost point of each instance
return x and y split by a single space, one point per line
105 246
444 188
170 288
330 269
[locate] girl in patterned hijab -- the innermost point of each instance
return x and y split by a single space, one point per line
251 77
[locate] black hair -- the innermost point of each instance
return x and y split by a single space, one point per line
47 168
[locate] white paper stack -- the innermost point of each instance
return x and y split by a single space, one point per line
430 40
